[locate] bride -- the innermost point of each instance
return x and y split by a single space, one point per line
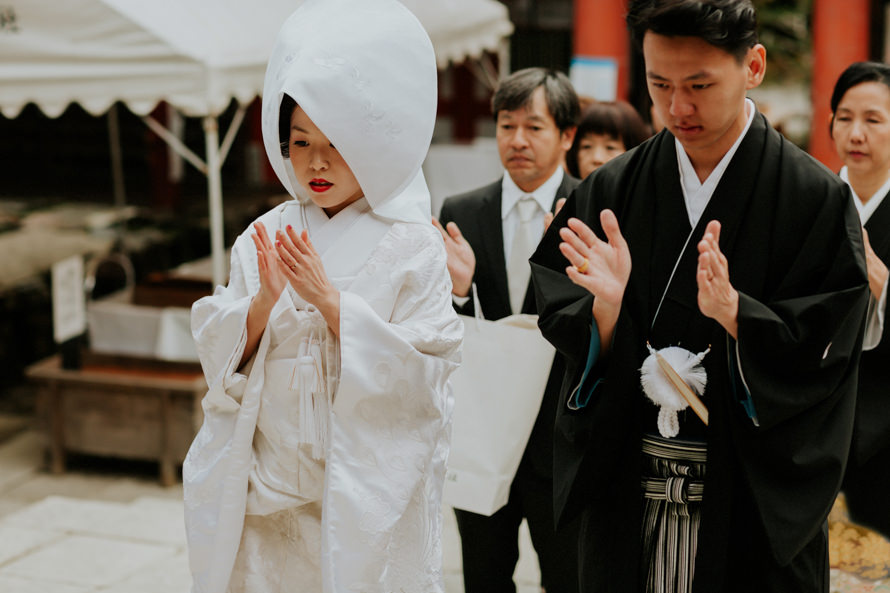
321 459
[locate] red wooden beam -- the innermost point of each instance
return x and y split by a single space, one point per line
600 31
840 37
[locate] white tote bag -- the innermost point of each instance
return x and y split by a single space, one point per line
498 390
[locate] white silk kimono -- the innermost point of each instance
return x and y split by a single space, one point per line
262 513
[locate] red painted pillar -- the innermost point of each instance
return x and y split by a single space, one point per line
840 37
600 32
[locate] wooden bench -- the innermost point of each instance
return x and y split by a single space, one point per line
120 407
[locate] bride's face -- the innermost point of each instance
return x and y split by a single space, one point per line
318 166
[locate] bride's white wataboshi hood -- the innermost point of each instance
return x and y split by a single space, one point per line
364 71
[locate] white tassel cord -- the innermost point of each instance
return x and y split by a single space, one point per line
314 404
662 392
321 404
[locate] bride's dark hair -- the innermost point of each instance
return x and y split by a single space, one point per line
285 111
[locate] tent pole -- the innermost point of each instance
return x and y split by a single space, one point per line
214 188
484 71
230 133
175 143
504 58
117 166
212 169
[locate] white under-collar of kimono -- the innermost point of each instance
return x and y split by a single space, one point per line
696 194
364 72
868 208
344 240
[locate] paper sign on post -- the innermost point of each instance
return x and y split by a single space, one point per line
69 304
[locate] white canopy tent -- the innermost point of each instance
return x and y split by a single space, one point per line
197 55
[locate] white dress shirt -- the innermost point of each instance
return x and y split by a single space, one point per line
510 196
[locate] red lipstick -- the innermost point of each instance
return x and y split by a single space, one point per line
320 185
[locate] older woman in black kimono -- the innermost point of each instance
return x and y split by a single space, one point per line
860 128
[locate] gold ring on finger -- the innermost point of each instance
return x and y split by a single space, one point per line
583 267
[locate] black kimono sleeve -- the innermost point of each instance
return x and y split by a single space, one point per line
565 310
798 350
795 349
566 320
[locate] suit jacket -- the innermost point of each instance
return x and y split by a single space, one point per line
478 215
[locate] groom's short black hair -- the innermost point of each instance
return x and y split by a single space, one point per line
730 25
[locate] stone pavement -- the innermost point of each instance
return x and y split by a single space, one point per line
111 527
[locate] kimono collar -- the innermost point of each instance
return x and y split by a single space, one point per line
324 231
695 193
364 71
868 208
343 241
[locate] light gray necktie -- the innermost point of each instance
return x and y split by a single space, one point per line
527 237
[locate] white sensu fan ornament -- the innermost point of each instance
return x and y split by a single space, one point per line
673 378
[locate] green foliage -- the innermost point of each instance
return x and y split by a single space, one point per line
784 27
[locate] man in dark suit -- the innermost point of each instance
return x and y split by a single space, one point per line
489 234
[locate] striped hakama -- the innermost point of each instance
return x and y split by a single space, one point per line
673 485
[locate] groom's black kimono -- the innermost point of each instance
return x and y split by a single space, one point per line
793 241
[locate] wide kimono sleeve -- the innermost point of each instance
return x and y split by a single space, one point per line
797 357
219 329
565 310
391 417
566 321
216 468
798 346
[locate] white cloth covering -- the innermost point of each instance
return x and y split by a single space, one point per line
365 74
265 510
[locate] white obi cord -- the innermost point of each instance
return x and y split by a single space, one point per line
658 387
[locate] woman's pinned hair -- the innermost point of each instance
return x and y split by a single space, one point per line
856 74
617 119
285 112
